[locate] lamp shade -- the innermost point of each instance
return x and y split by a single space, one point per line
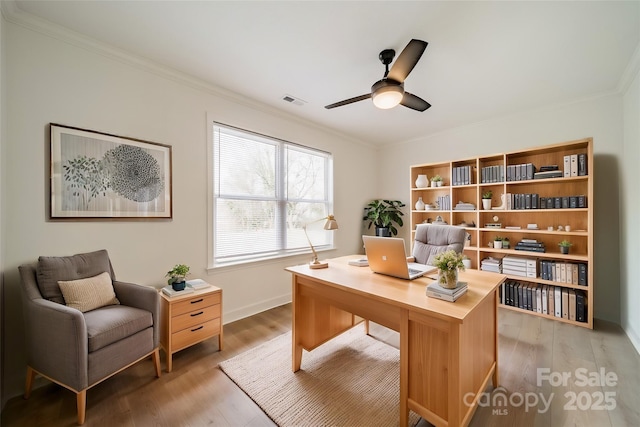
331 223
387 97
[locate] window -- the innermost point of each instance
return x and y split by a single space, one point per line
264 191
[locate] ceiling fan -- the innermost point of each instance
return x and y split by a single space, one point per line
389 92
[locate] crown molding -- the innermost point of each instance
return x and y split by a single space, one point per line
630 72
13 14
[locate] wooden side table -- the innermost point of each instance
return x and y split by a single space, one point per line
190 319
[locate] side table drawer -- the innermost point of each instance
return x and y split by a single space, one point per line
196 317
195 303
194 334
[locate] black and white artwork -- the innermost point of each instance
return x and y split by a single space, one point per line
97 175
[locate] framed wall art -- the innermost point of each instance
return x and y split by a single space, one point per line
102 176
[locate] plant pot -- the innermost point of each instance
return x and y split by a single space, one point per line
448 279
466 263
486 204
505 245
434 183
383 232
179 286
564 250
439 183
497 244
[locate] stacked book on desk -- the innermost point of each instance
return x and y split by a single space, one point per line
491 264
434 290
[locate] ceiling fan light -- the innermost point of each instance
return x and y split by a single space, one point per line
387 97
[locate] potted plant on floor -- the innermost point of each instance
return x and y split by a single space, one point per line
486 200
177 276
564 246
384 214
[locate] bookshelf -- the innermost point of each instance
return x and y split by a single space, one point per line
551 203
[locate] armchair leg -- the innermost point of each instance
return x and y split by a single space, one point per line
156 362
31 375
81 402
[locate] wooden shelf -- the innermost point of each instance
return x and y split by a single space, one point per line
580 219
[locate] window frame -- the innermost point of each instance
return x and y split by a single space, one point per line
280 198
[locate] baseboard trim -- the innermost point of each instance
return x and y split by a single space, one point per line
250 310
633 337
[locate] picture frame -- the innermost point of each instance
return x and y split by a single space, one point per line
96 175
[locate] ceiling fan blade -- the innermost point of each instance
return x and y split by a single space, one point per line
408 59
348 101
414 102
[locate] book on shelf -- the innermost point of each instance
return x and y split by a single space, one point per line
169 291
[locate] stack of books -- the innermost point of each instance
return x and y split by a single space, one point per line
192 286
197 284
434 290
530 245
491 264
463 206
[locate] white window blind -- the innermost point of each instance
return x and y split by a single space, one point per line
265 191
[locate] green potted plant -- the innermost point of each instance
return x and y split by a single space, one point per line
486 200
383 214
177 277
448 264
497 242
564 246
505 243
436 181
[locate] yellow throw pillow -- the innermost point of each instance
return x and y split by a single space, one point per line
90 293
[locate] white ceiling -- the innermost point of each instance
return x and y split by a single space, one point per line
484 59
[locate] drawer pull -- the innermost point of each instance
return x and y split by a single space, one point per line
197 314
198 328
197 301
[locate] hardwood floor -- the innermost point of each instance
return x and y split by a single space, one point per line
197 393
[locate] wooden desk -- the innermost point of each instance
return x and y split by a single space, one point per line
448 351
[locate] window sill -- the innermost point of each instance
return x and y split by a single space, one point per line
289 259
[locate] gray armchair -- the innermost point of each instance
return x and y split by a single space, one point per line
76 349
432 239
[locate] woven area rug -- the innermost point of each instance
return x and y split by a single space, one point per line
352 380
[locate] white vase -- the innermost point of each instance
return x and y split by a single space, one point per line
422 181
486 204
497 244
419 204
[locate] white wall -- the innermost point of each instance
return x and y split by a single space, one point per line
600 118
52 81
629 209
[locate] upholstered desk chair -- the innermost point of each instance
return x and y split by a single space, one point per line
432 239
82 325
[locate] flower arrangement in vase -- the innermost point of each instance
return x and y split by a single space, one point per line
448 264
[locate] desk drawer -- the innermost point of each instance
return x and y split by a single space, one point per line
196 317
195 303
194 334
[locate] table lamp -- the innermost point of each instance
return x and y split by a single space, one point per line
331 224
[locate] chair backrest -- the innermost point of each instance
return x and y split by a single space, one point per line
49 270
432 239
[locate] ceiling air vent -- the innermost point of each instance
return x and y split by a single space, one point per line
293 100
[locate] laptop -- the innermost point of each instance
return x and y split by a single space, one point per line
386 255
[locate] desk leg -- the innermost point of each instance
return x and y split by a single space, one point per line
296 349
495 377
404 368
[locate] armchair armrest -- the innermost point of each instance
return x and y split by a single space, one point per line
143 297
57 345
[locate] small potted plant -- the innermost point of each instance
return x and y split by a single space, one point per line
505 243
383 214
436 181
466 261
497 242
486 200
448 264
177 277
564 246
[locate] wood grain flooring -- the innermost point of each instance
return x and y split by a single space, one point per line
197 393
